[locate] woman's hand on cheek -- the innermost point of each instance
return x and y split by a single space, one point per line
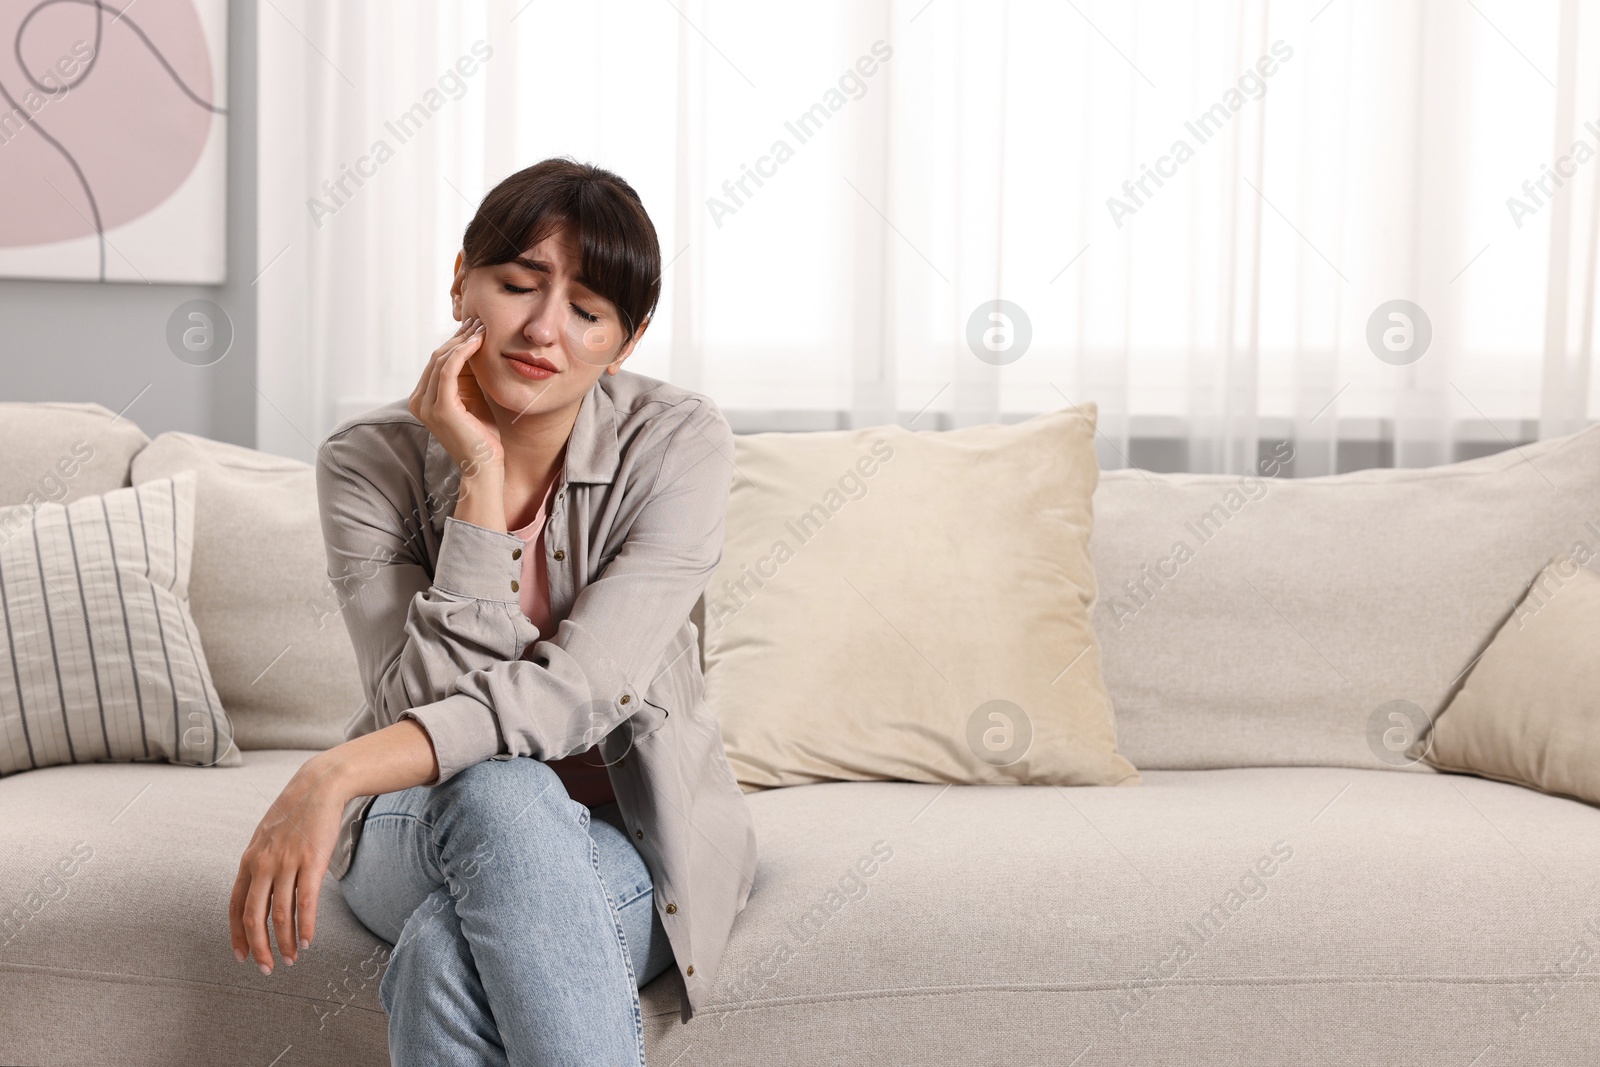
449 401
473 399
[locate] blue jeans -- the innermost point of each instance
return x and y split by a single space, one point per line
523 924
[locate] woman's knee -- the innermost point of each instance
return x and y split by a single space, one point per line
493 796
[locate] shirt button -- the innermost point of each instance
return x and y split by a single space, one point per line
514 585
624 699
672 909
689 969
560 554
516 553
639 834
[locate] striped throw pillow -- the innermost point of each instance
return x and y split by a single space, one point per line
101 660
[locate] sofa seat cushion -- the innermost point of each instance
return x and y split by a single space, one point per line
126 959
1408 918
1422 918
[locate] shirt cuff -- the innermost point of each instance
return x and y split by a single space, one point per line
478 562
463 731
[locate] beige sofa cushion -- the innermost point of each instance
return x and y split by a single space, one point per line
101 660
911 605
1207 918
1304 607
58 452
268 616
114 930
1529 713
907 924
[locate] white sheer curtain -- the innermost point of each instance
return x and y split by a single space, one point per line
1340 156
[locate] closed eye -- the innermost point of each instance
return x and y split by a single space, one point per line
581 313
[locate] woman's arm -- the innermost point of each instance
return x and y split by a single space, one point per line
386 761
283 867
414 633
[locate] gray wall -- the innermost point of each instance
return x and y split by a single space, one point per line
107 342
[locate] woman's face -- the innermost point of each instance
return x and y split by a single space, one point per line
547 337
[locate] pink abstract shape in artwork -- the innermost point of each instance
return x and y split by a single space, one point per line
105 118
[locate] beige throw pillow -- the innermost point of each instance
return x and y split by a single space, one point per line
911 605
1529 713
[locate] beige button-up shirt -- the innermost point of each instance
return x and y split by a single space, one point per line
633 533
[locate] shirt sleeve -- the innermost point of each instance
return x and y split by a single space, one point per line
447 651
413 634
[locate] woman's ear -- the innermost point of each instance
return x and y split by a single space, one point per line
456 286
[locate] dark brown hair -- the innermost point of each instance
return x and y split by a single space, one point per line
621 258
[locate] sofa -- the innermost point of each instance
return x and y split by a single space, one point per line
1284 886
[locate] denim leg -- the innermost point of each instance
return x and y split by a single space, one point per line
438 1012
628 879
494 889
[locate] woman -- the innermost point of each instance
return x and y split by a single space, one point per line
517 549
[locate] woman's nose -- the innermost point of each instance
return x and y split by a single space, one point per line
544 326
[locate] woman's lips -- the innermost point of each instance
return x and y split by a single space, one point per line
537 370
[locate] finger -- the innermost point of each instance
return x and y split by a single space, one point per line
451 365
447 394
241 947
463 328
419 395
255 919
283 913
416 392
451 369
463 331
465 347
423 390
428 388
442 356
472 336
307 890
430 381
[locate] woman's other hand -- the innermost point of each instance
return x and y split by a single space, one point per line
283 866
450 403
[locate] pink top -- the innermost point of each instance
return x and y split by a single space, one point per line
534 588
583 773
